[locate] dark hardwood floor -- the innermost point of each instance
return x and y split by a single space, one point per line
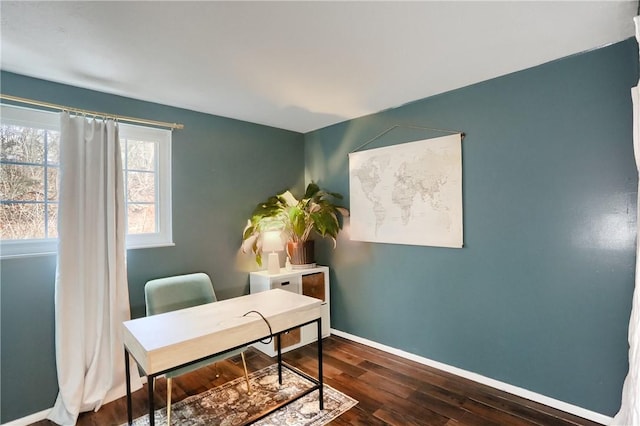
390 391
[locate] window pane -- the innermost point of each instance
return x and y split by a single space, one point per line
21 221
52 221
52 183
22 144
141 155
141 187
21 183
53 147
141 218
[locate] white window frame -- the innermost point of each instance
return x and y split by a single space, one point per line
162 139
51 121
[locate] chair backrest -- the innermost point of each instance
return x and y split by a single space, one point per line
178 292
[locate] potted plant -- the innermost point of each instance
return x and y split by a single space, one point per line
297 219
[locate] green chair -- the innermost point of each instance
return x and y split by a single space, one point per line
179 292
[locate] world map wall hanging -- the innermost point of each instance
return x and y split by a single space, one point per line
408 194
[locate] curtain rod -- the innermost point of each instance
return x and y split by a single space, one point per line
26 101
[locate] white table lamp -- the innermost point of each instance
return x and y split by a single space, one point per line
272 242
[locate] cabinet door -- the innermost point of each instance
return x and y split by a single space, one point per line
287 339
313 285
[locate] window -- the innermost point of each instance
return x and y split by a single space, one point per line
146 159
29 164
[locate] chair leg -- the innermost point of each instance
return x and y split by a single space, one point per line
168 401
246 375
217 371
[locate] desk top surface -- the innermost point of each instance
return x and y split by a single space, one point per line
215 327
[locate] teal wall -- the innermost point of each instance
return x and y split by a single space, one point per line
221 169
540 295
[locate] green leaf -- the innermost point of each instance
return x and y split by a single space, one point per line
312 189
286 199
248 232
297 218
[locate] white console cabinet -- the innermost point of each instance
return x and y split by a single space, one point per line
313 282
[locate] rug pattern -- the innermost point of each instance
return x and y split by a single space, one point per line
229 404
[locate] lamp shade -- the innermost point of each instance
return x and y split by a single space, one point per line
271 241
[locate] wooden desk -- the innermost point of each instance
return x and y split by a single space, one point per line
164 342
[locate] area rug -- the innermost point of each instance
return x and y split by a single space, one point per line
230 405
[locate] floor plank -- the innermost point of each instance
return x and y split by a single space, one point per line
391 391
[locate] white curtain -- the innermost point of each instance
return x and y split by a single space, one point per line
629 413
91 293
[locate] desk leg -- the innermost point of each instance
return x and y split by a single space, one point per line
127 370
321 390
152 416
279 359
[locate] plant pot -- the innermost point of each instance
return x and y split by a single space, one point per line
301 254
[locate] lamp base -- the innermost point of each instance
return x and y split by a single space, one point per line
273 265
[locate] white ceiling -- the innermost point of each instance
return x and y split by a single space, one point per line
296 65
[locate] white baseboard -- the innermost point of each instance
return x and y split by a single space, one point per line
515 390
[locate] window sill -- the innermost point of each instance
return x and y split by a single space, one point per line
55 252
151 245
